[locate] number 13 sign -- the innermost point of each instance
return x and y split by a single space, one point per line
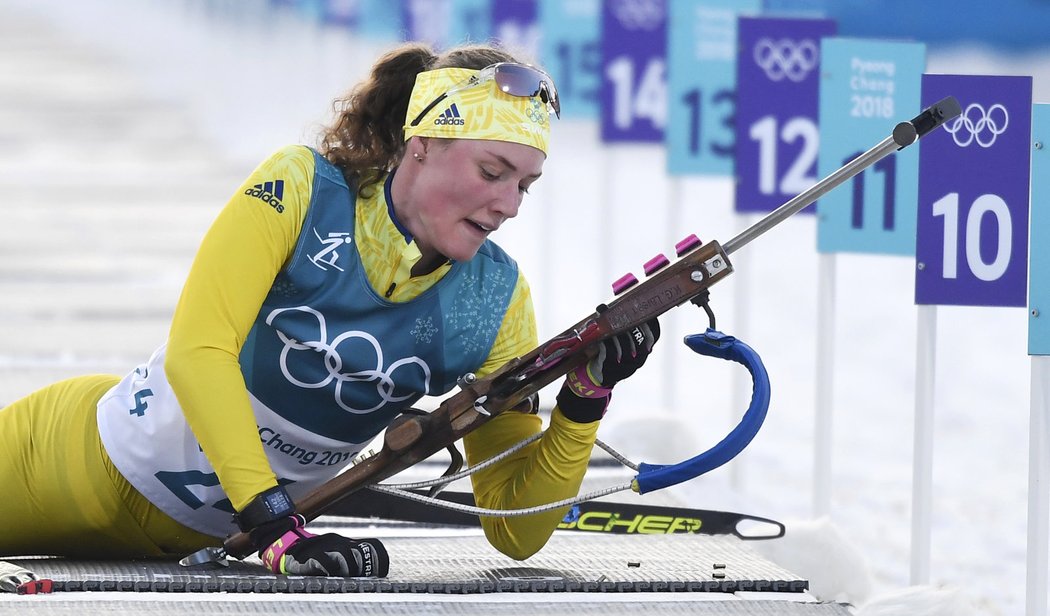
972 245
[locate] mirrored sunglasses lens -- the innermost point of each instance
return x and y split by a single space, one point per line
518 80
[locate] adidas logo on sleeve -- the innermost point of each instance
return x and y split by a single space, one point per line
450 117
270 193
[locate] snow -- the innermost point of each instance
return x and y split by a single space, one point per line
253 84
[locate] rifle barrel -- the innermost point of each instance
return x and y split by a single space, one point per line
811 194
904 134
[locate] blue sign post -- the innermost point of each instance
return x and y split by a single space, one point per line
777 138
571 53
1039 236
701 58
1039 348
866 88
634 70
974 171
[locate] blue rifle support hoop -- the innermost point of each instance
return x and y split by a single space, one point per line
715 344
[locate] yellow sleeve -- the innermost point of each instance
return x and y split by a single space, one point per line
233 270
548 470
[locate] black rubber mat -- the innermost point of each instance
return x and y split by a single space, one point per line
468 565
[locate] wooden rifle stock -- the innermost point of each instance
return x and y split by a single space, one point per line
411 439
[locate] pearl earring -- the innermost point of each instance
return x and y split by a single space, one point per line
418 156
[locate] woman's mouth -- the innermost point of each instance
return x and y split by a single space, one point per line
480 228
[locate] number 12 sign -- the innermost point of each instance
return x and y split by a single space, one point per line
974 172
778 80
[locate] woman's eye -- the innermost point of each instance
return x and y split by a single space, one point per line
488 175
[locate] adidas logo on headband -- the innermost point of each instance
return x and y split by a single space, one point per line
450 117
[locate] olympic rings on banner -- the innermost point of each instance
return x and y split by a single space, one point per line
786 58
639 14
333 363
978 125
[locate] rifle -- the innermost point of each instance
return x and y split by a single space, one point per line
413 438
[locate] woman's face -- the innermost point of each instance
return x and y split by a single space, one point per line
462 191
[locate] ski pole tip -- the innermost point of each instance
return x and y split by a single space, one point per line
905 133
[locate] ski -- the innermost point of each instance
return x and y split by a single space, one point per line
590 516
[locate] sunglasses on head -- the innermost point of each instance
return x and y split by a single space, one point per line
511 78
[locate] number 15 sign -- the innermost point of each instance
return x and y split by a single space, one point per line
974 171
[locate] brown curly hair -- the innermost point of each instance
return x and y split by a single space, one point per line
367 138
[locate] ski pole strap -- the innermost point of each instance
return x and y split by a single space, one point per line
715 344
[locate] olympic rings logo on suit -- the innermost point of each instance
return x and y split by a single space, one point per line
786 58
979 125
333 363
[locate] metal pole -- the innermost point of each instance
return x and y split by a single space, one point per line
825 387
1038 493
922 464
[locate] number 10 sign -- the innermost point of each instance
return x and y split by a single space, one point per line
972 245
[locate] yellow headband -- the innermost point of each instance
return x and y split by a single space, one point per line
481 112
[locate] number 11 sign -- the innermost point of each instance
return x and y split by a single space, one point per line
972 245
867 86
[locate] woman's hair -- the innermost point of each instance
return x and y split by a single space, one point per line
367 137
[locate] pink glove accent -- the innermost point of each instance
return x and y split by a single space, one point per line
273 556
582 384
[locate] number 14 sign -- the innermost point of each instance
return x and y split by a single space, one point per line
972 245
633 90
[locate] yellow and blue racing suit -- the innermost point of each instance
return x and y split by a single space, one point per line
154 463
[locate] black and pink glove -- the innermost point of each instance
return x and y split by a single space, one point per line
588 388
299 552
271 522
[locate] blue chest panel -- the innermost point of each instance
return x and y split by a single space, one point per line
329 354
